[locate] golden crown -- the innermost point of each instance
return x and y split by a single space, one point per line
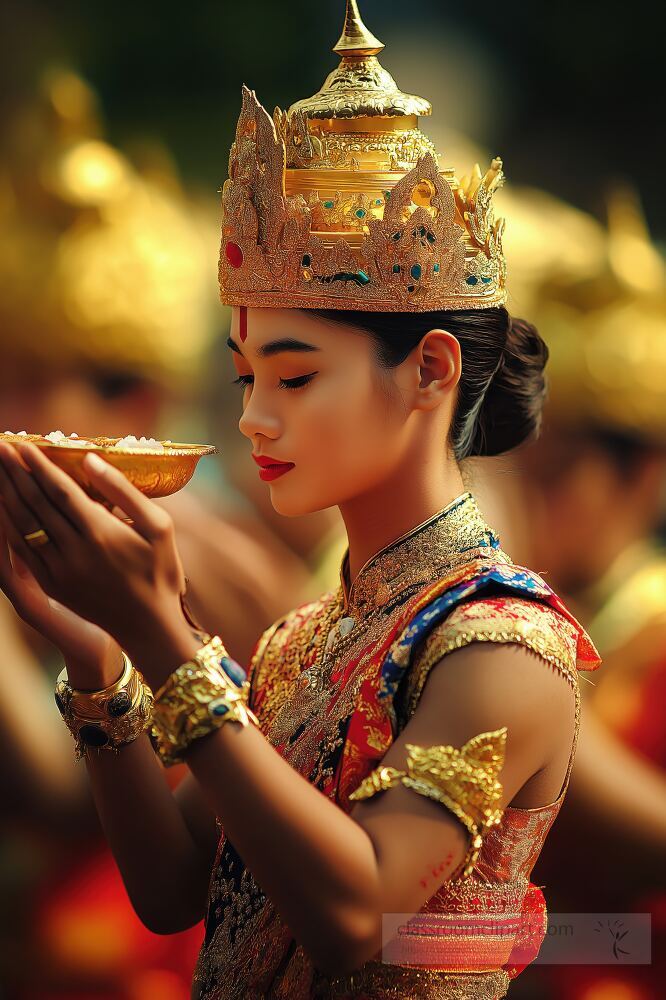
340 202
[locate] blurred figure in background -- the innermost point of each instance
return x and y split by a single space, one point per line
593 498
108 311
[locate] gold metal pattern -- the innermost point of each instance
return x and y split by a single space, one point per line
340 202
196 699
360 86
308 147
86 708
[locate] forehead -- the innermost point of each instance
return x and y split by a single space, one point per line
253 329
260 325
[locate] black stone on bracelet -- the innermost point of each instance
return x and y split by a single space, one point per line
93 736
119 704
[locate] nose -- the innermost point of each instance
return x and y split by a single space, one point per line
257 420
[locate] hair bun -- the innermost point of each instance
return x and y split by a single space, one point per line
512 406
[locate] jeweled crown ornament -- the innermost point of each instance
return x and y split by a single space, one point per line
341 203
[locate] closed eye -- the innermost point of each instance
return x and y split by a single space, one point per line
296 383
285 383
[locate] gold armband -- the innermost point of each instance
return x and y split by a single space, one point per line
465 781
109 718
199 697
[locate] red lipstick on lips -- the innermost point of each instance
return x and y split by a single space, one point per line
271 468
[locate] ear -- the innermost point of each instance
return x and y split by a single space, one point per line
440 367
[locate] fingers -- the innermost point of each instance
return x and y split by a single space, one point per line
14 543
150 521
62 495
27 505
18 520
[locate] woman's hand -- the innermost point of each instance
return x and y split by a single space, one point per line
126 580
93 657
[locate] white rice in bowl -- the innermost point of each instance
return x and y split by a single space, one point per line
132 443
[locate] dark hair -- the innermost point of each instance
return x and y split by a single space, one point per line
502 387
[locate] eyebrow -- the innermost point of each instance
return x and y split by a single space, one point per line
276 347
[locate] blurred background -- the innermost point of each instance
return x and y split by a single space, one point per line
115 126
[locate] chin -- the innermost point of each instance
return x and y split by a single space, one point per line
297 503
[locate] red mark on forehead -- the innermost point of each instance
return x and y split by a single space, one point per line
243 324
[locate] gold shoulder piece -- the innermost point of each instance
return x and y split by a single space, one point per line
514 620
465 781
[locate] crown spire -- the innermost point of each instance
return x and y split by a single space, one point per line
356 39
360 86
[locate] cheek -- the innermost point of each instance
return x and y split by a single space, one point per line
343 439
349 424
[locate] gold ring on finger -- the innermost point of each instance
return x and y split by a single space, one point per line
36 539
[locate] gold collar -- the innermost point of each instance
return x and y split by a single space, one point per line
452 537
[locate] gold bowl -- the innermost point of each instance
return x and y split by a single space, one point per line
156 474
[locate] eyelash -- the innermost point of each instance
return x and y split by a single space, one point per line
285 383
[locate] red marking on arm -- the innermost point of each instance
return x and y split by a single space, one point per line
243 324
436 871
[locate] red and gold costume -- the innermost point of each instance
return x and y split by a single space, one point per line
333 683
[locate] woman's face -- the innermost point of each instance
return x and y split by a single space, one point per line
326 422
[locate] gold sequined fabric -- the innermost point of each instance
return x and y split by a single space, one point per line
315 689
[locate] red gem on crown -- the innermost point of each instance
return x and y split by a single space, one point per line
234 254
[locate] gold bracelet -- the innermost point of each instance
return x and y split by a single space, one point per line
463 780
198 698
109 718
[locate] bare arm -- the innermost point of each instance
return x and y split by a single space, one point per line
163 841
150 830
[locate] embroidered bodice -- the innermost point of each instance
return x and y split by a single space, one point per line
333 683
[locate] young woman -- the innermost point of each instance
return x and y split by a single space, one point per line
363 813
